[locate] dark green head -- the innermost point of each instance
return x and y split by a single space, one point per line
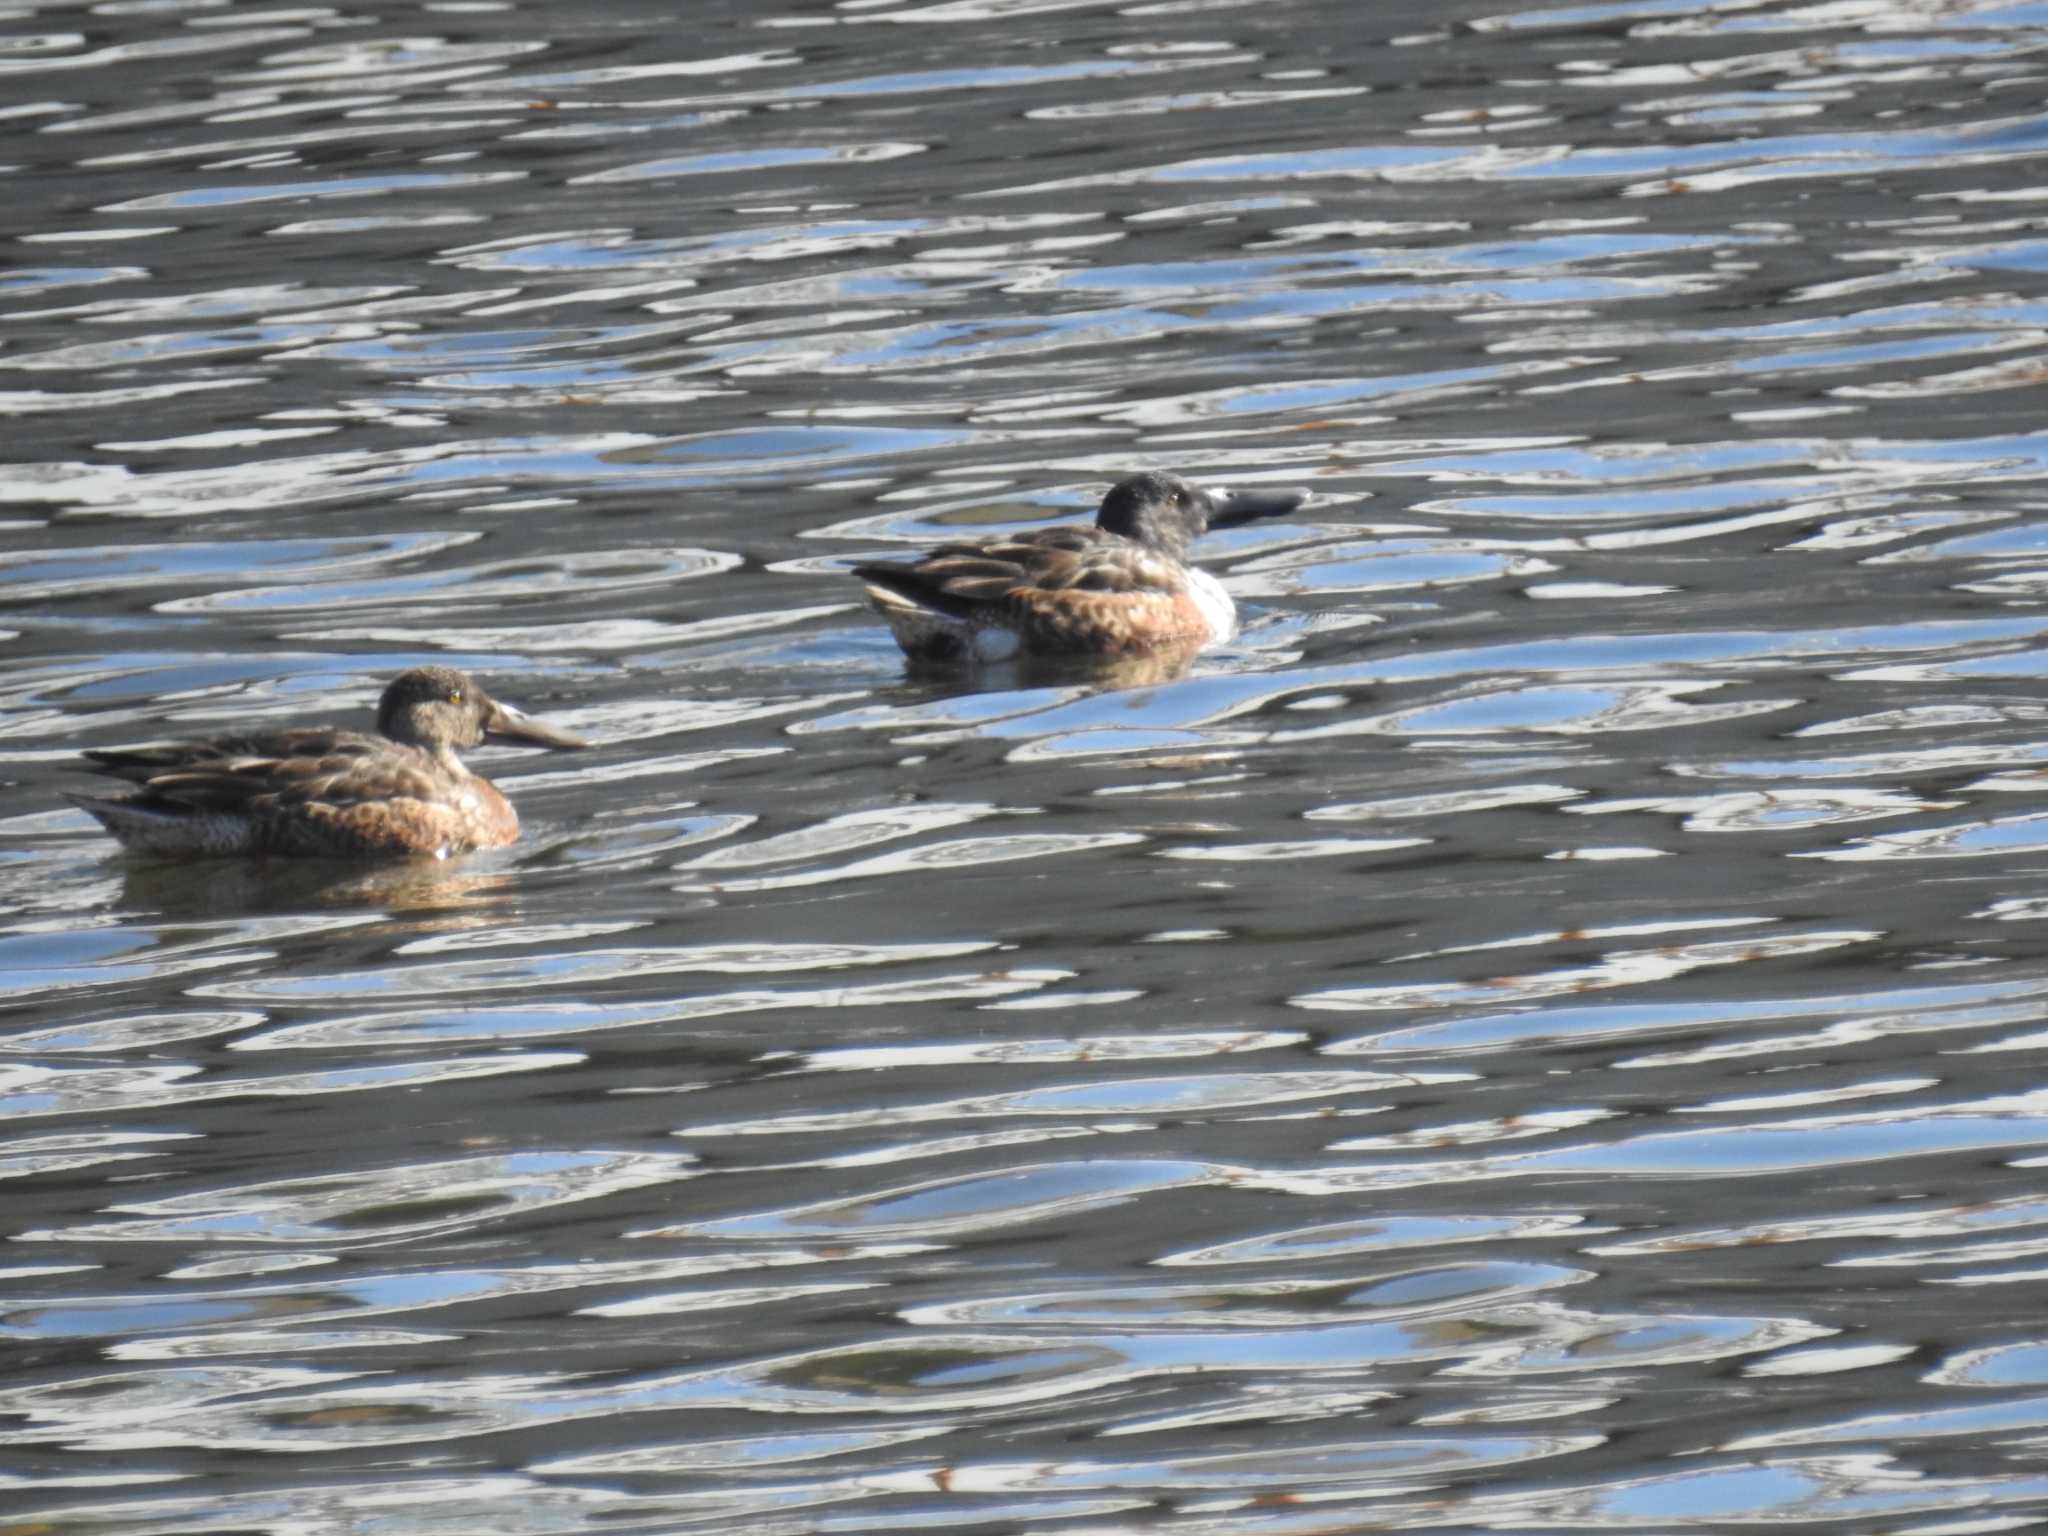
1165 513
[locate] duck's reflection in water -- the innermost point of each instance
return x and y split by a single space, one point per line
1079 674
462 893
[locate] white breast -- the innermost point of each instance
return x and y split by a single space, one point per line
1217 609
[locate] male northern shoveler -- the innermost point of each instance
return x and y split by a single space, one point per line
324 791
1120 588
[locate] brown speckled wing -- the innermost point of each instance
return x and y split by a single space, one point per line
1002 574
138 765
1123 569
347 778
334 765
1106 623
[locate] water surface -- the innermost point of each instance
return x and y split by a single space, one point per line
1541 1032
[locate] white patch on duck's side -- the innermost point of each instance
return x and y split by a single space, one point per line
1218 611
993 642
921 631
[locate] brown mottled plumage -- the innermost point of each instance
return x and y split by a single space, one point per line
1120 588
327 791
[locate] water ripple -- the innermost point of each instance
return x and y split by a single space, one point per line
578 968
873 1099
376 1206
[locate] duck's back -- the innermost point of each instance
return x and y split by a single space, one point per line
297 744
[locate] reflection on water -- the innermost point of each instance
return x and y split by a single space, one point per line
1532 1034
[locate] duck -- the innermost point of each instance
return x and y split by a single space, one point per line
327 791
1123 587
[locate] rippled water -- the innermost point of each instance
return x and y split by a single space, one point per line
1542 1032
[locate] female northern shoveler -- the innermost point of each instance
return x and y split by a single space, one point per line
324 791
1120 588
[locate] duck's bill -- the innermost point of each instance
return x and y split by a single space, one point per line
1229 508
504 723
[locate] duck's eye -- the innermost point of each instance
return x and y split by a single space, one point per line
454 695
